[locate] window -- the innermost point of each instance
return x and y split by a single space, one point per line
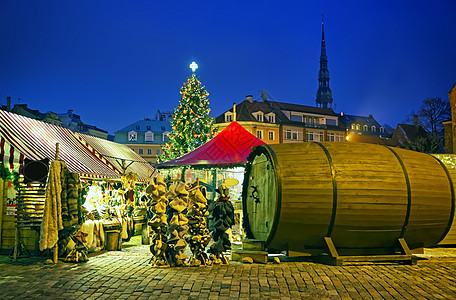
320 136
149 151
259 134
137 127
149 136
259 118
157 151
228 117
382 130
271 118
331 122
296 118
148 127
132 136
140 151
165 137
331 137
271 135
357 126
309 136
365 127
353 126
293 134
373 128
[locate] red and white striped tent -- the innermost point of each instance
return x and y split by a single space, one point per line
22 137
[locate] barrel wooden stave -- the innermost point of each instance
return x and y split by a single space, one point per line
372 196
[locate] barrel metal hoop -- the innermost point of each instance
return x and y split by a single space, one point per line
278 179
334 183
409 192
450 221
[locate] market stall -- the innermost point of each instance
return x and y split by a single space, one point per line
106 171
221 160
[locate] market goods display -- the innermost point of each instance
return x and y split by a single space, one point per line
52 219
158 222
222 218
178 224
71 189
199 236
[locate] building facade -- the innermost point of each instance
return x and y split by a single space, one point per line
73 122
278 122
146 137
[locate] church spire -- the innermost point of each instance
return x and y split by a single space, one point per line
324 94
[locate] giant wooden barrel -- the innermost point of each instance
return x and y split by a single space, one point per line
363 196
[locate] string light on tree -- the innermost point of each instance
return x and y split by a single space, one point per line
189 132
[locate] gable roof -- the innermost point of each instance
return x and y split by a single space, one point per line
228 148
156 126
245 109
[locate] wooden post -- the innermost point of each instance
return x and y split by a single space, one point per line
56 247
3 201
234 112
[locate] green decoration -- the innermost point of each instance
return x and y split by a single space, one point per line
191 124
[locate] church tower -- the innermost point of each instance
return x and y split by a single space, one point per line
324 94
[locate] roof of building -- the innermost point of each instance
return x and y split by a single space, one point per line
349 119
412 132
245 110
154 126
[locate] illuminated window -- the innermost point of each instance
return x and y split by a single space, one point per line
353 126
259 134
293 134
165 136
357 126
309 136
132 136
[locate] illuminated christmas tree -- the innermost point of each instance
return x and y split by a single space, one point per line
191 123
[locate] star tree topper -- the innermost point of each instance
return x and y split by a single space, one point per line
193 66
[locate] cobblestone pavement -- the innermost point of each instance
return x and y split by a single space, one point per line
126 274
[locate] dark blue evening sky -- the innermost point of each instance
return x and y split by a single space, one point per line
116 62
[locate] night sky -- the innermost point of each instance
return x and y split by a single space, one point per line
116 62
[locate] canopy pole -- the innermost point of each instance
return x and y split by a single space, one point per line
234 112
56 247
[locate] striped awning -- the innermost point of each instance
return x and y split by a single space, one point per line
37 140
117 154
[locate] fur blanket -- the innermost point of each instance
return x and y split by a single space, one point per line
52 218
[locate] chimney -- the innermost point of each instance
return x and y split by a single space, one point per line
249 98
8 103
416 121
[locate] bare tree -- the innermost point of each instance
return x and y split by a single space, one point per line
430 115
432 112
